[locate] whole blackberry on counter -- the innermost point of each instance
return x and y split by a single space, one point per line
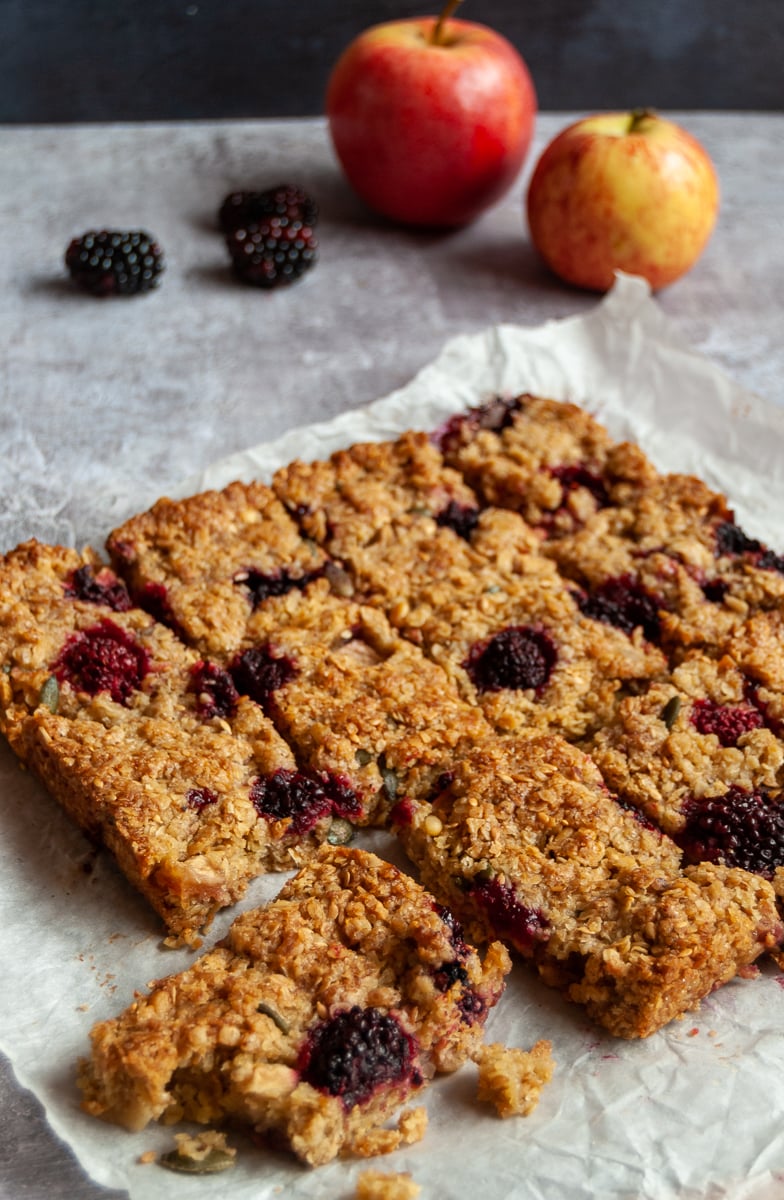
270 235
285 200
115 262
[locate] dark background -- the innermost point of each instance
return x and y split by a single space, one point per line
110 60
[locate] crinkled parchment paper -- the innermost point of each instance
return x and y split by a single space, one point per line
694 1112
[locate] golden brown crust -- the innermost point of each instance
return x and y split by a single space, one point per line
229 1037
525 843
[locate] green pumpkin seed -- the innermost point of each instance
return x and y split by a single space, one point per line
341 832
669 714
391 783
274 1015
49 694
213 1162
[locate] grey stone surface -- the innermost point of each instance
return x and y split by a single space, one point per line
106 405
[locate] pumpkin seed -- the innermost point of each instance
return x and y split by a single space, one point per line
274 1015
669 714
339 580
363 757
391 782
341 832
213 1162
49 694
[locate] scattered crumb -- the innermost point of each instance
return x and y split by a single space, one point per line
412 1125
83 1008
204 1153
378 1185
367 1143
198 1146
149 1156
512 1079
693 1032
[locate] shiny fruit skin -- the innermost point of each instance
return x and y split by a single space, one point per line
603 199
431 135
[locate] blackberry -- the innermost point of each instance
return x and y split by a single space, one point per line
508 918
519 657
115 262
258 672
496 415
625 603
277 583
462 518
214 687
729 722
731 539
286 200
577 476
270 235
448 974
743 829
304 798
199 798
154 599
103 588
355 1052
104 658
291 794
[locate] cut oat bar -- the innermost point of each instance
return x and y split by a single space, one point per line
702 752
519 648
203 564
525 843
149 748
313 1020
672 561
550 461
353 698
343 502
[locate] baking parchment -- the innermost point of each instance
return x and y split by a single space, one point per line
694 1112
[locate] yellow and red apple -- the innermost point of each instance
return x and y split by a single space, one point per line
626 191
431 118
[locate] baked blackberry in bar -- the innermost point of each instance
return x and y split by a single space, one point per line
345 501
353 699
203 564
312 1021
550 461
150 749
673 561
520 649
523 841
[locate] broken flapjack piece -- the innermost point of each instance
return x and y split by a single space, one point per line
525 843
314 1020
512 1079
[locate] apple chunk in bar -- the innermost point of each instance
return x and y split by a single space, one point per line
203 564
150 749
524 843
312 1021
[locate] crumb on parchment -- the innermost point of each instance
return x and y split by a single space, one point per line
512 1079
380 1185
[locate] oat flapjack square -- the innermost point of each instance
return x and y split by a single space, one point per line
525 843
312 1021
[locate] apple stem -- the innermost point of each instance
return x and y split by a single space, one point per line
637 117
438 29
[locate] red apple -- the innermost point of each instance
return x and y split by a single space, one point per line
431 118
628 191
